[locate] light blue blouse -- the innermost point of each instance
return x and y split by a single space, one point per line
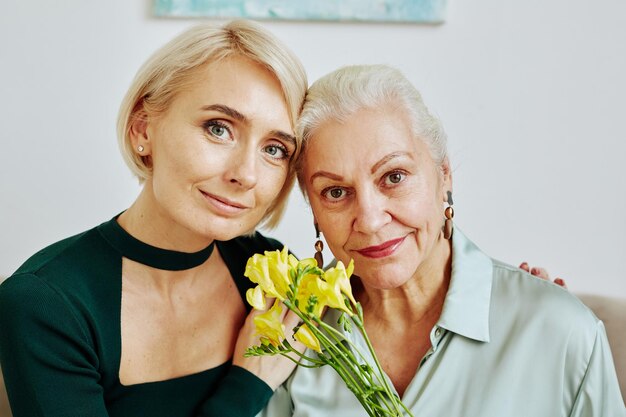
506 344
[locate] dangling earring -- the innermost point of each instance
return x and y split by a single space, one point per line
319 247
449 213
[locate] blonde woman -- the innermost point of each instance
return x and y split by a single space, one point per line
141 315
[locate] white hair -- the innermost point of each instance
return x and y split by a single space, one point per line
343 92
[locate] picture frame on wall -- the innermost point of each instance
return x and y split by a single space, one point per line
405 11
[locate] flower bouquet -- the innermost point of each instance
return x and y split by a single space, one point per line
307 290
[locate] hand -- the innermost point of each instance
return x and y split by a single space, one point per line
541 273
273 370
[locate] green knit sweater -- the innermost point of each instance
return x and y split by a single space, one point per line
60 340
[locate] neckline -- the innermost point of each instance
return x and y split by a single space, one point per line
134 249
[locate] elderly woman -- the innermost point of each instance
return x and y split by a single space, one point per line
141 315
457 332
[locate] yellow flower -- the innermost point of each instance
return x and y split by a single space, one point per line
311 284
271 272
292 261
329 290
278 269
307 262
331 296
305 336
269 325
339 279
255 298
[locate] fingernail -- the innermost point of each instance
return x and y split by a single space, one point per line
559 281
524 265
534 271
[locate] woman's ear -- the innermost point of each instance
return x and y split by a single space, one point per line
446 178
138 133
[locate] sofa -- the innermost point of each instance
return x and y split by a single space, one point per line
612 311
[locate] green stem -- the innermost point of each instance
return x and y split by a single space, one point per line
370 381
343 367
343 361
340 359
394 398
366 378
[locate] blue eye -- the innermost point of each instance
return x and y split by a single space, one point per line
277 151
218 130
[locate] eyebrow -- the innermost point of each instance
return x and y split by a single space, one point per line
386 159
325 174
286 137
375 167
229 111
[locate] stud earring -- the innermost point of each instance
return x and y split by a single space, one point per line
140 148
449 214
319 247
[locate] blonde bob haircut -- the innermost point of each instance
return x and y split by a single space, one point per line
171 68
343 92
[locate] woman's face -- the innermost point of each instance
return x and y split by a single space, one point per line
377 195
220 153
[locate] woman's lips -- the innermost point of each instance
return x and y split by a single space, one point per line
384 249
223 205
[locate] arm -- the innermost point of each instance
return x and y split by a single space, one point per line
49 364
256 376
599 394
279 405
51 367
251 381
239 394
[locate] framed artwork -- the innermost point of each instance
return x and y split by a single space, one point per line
421 11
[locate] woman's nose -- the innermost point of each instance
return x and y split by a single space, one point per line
243 168
370 212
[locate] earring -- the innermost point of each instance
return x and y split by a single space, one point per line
319 247
140 148
449 213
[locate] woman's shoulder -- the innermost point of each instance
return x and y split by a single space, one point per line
541 300
50 253
60 264
237 251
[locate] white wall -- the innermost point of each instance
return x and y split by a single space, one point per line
531 93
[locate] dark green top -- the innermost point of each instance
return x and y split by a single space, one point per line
60 340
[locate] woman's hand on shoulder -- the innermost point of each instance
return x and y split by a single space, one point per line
541 273
273 370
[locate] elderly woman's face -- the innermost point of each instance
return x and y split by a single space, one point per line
377 195
221 151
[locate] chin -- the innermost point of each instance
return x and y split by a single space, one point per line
224 233
387 284
383 281
227 229
385 278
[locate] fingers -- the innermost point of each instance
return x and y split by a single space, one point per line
542 273
525 267
290 321
535 270
272 369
